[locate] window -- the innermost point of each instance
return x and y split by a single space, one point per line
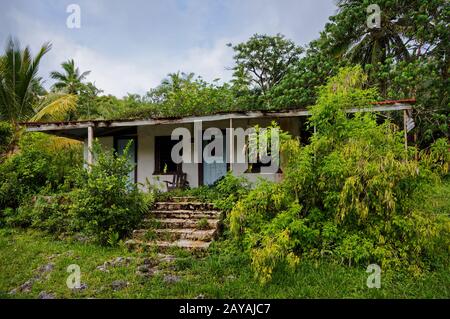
163 159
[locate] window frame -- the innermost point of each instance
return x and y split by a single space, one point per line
158 170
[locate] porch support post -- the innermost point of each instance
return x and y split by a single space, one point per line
90 155
231 151
405 128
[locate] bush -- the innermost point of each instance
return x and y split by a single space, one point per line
106 204
347 195
102 203
229 189
44 163
224 193
437 157
258 207
6 135
48 213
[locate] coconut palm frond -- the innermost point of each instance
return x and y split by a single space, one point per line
58 76
55 107
18 79
84 75
57 143
29 71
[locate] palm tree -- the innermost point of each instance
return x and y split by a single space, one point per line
55 107
371 45
19 82
361 44
70 79
21 90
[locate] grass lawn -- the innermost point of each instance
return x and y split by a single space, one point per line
217 275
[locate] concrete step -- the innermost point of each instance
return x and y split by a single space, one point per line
182 199
181 221
194 245
183 206
174 223
184 214
174 234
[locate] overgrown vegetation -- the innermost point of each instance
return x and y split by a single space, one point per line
346 196
45 191
42 165
351 197
223 194
106 203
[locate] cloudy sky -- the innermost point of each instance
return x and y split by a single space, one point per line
130 45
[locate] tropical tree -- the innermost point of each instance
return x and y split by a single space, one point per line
351 37
406 55
19 82
70 79
370 44
181 94
264 60
55 106
87 107
174 82
21 92
298 88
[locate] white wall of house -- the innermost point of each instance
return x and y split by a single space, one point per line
146 156
146 150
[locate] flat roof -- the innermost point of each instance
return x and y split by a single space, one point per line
78 129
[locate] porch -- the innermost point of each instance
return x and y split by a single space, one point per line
152 144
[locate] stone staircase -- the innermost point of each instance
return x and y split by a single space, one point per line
181 222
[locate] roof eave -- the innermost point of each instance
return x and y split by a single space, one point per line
384 106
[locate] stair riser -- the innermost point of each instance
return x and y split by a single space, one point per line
161 248
182 223
182 199
183 206
183 215
161 235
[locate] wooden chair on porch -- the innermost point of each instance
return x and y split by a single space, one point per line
179 181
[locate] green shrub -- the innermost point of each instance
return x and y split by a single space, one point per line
101 203
106 204
229 190
354 185
437 157
53 214
224 193
49 213
257 208
6 135
43 163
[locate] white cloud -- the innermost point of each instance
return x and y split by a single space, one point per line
139 52
113 75
210 63
120 75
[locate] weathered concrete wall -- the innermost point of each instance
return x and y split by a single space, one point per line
146 156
